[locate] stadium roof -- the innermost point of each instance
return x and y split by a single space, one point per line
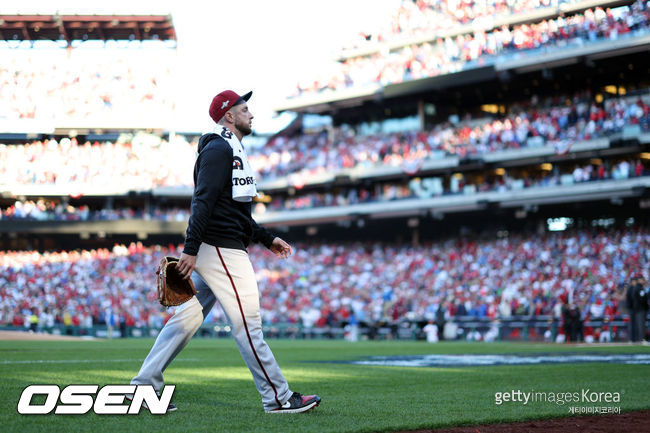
56 27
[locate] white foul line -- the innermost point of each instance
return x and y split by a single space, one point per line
77 361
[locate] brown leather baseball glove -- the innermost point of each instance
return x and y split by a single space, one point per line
172 288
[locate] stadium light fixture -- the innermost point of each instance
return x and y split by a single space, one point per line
559 224
490 108
610 89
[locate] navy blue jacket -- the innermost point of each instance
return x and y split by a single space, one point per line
215 218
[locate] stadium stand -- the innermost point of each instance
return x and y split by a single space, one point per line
68 165
65 85
74 289
521 275
426 19
532 124
42 210
416 187
143 166
432 186
67 88
491 194
464 51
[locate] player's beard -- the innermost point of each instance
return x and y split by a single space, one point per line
244 128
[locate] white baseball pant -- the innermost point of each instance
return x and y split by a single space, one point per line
225 274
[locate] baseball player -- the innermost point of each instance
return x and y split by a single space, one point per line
214 256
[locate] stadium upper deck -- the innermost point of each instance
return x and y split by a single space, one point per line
463 137
415 22
121 78
474 57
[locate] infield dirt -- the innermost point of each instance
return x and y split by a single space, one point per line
635 421
35 336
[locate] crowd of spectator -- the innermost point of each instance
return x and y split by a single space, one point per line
63 84
325 284
145 164
429 17
49 210
83 288
550 121
519 275
121 166
458 183
44 210
453 54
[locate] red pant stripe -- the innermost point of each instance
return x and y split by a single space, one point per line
243 317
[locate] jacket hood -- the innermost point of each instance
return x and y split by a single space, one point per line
205 139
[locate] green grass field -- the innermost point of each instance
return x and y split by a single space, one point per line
215 391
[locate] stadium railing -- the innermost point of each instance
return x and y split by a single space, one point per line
515 328
463 202
466 200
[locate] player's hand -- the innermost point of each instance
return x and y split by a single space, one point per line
280 248
186 265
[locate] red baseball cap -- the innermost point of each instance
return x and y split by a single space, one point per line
224 101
